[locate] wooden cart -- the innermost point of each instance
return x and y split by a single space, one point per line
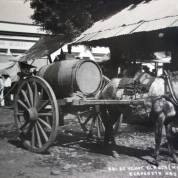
39 113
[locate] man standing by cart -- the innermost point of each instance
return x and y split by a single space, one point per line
1 91
7 85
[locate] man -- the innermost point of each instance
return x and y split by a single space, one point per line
7 85
1 91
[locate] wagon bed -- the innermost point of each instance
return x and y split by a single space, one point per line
38 113
91 101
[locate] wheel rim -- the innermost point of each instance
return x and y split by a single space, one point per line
115 119
36 114
91 122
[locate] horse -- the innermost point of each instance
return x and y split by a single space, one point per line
160 102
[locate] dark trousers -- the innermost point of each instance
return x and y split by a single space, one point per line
7 99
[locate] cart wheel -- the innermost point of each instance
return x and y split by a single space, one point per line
36 114
117 124
91 122
113 116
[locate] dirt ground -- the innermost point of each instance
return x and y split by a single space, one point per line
72 155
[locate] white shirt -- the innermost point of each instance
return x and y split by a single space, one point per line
7 82
1 83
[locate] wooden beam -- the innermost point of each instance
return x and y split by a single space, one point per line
82 102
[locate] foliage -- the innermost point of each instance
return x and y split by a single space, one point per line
71 17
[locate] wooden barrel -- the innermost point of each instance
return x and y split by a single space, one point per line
69 76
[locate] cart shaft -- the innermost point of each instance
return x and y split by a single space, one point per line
82 102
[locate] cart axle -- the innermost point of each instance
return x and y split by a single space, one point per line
33 114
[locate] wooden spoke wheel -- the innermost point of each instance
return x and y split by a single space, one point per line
113 116
36 114
91 122
117 124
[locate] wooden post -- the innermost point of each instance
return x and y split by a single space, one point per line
115 61
174 60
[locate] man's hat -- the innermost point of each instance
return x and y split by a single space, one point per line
26 65
5 75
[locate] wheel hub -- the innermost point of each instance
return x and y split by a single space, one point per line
33 114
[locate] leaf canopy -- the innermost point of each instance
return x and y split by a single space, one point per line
71 17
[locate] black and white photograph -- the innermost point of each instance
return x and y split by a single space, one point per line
88 88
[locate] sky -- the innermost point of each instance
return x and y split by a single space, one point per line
15 11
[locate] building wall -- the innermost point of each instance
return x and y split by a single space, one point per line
17 38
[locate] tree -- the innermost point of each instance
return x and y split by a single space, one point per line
71 17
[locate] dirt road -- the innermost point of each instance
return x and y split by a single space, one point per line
73 156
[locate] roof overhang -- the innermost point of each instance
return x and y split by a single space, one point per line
158 18
44 47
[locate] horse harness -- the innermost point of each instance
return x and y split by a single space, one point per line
170 95
136 86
